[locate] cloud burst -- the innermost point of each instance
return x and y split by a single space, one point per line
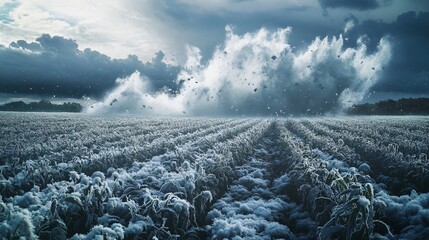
258 74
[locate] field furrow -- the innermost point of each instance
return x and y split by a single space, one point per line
256 204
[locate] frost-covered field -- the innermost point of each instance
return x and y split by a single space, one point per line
84 177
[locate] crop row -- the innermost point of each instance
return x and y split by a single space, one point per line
403 172
409 142
165 197
234 179
348 204
44 171
80 137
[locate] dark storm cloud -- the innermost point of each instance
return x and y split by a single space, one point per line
195 22
55 66
408 71
351 4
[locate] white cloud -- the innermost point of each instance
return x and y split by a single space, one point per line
349 25
112 27
131 96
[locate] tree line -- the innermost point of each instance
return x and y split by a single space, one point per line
404 106
41 106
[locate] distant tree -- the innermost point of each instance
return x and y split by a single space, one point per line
404 106
72 107
41 106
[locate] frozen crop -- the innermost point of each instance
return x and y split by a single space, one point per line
88 177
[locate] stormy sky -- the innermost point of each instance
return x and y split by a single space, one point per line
230 56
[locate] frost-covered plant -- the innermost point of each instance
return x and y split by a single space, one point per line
116 231
201 203
15 224
352 219
338 200
53 227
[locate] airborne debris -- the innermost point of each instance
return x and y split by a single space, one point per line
113 101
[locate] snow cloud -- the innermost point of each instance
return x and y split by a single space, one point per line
258 73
